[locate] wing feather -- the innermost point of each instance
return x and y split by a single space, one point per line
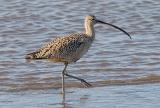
60 48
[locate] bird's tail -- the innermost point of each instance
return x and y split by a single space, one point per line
32 55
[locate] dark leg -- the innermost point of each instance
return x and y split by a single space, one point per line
63 82
85 83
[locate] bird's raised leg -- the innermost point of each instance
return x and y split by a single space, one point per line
85 83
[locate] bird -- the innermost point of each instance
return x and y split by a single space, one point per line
70 48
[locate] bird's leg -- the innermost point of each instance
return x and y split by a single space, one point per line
63 81
86 84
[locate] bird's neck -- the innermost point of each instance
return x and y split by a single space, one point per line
89 29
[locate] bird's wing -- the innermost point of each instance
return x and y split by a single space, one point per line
66 46
61 47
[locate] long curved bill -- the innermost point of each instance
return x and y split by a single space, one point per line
115 27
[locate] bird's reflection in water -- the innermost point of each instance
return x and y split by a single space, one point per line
82 100
63 98
64 103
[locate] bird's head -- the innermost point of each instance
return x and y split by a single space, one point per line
93 20
90 19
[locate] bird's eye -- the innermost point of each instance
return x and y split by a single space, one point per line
91 19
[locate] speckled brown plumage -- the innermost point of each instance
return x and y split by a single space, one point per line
68 48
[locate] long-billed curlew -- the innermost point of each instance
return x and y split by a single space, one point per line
70 48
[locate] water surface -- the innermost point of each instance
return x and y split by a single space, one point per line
112 60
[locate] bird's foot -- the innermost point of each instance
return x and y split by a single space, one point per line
85 83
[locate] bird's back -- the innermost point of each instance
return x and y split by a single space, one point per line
64 49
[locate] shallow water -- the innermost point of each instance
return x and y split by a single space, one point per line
131 96
112 60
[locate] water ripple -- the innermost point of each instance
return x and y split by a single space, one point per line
27 25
